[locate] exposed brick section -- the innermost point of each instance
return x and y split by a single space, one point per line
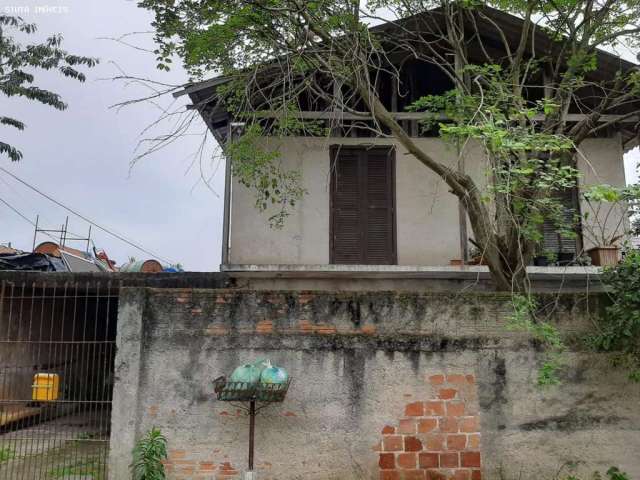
438 437
264 326
389 475
188 465
429 460
447 393
427 425
408 426
412 444
415 409
387 461
449 460
407 460
393 443
434 408
471 459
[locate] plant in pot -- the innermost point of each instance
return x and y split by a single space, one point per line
476 256
605 220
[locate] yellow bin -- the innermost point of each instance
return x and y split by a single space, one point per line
46 387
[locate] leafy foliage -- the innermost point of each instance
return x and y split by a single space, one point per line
619 325
18 63
148 454
258 169
524 319
6 454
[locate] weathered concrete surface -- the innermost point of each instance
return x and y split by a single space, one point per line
361 362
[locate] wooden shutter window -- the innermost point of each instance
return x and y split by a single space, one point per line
362 206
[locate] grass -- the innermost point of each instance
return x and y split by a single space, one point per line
92 468
6 454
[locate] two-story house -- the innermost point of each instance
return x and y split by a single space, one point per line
368 202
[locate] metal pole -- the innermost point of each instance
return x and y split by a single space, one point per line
252 428
35 233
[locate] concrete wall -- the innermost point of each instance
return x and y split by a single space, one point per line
427 214
386 385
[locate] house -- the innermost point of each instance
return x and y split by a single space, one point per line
368 201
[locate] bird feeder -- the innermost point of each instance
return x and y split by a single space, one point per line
252 398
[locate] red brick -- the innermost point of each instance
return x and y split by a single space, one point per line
456 442
387 461
434 442
435 475
449 460
461 474
388 430
413 475
227 466
415 409
456 378
426 425
476 475
227 473
368 330
474 441
392 443
469 424
471 379
207 466
177 454
434 408
389 475
470 459
305 326
412 444
407 460
455 409
407 426
264 326
448 424
447 393
428 460
436 379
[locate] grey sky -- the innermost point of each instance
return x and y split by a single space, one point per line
82 156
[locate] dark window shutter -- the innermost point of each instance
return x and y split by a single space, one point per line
362 206
553 240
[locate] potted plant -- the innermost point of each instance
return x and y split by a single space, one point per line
476 256
606 220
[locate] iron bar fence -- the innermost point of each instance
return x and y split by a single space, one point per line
57 347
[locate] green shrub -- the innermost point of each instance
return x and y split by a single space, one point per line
619 325
148 455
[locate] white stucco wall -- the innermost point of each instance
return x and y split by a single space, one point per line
601 163
426 212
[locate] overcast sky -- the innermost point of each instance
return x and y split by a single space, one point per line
82 156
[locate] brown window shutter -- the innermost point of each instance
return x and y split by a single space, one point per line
362 206
553 240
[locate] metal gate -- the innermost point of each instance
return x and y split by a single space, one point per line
57 347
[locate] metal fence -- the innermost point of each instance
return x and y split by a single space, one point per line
57 347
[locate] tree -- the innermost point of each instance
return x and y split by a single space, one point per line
17 63
275 51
